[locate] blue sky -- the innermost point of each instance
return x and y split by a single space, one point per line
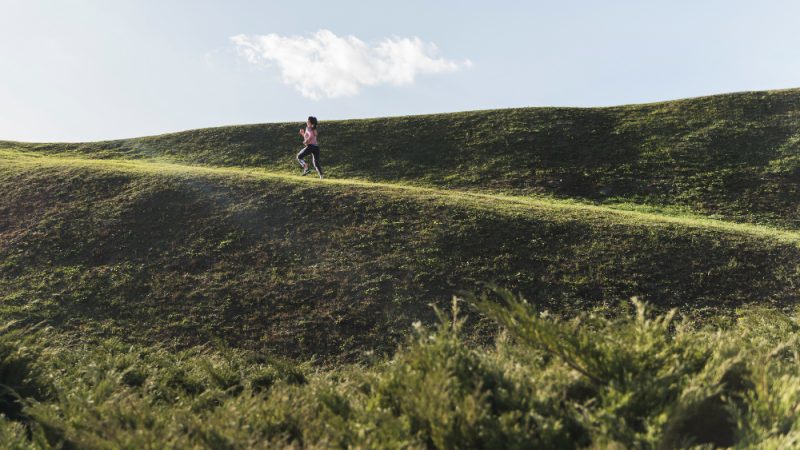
73 70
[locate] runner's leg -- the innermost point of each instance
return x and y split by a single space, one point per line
315 160
303 153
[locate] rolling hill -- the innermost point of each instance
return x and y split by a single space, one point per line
209 234
732 156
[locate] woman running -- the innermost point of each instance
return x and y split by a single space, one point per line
311 147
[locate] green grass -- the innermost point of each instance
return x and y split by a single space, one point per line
734 156
172 253
640 213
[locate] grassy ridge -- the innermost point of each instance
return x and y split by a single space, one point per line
171 253
644 214
734 156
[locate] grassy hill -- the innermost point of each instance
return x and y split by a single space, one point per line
172 253
733 156
152 287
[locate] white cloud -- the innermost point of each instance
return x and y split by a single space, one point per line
325 65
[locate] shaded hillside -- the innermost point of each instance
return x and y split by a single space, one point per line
183 255
735 156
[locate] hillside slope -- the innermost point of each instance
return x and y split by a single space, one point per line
182 255
733 156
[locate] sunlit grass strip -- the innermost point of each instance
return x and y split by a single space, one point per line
574 210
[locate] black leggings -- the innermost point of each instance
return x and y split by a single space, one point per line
312 150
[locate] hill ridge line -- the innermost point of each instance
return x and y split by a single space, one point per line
529 202
611 106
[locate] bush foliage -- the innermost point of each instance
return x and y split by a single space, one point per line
598 380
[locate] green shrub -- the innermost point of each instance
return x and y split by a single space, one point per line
19 380
629 379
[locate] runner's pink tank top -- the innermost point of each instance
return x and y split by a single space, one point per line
311 136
